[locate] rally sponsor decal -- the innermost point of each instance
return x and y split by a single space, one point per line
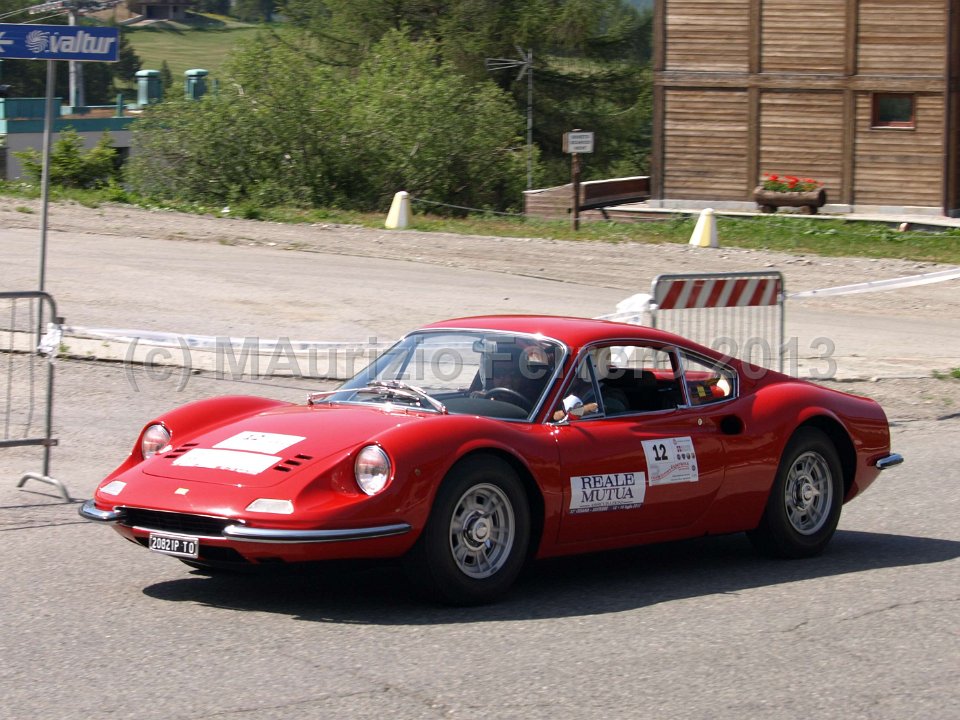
261 442
671 460
613 491
230 460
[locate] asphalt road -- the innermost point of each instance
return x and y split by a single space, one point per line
93 627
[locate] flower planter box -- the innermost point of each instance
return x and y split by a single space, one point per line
769 200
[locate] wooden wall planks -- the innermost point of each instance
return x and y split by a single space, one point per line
804 109
706 140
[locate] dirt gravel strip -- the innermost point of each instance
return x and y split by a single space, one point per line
630 267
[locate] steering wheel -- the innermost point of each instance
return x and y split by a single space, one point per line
510 396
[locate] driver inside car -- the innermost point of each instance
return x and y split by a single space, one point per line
515 373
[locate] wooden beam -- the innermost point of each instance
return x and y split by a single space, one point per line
755 39
753 139
852 28
849 162
926 84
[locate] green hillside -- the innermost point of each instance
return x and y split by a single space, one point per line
185 47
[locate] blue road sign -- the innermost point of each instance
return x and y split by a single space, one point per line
58 42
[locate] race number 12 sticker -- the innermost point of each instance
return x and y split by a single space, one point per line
670 460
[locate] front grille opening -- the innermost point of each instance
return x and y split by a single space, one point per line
281 468
221 555
301 456
175 522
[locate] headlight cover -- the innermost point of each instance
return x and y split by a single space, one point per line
271 505
155 439
372 469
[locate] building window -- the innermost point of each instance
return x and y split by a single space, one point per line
893 110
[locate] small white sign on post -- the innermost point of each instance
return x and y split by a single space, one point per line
578 142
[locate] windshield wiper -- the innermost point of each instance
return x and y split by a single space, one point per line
398 388
386 388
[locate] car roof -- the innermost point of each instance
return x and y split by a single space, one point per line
572 331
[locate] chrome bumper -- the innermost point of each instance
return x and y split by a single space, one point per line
889 461
249 534
89 511
243 533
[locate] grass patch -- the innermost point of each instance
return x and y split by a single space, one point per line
950 375
829 237
185 48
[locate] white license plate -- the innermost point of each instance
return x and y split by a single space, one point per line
177 545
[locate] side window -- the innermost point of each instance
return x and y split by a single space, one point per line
639 378
626 379
707 381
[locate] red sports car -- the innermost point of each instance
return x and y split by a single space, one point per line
475 444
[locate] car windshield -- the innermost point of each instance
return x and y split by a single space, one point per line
494 374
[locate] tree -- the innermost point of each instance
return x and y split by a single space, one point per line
166 79
286 129
254 10
128 63
70 165
591 60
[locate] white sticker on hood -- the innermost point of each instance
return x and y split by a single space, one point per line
261 442
230 460
671 460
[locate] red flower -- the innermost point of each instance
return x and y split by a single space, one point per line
789 183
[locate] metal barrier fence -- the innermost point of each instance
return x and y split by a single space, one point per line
738 314
29 341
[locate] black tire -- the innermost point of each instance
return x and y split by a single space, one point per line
803 508
476 539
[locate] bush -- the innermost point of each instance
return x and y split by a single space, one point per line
70 165
287 129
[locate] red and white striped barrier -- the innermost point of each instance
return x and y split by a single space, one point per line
686 292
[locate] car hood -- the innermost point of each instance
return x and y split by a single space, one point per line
269 448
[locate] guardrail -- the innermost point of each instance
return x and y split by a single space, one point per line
29 341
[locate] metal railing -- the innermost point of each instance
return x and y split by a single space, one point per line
30 333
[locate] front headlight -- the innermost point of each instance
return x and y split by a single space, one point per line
155 439
372 469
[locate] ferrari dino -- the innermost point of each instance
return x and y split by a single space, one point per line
474 445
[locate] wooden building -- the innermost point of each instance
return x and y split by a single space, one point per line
860 94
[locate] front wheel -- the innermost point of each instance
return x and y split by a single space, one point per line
804 505
475 542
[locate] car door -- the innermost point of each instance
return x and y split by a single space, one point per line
646 458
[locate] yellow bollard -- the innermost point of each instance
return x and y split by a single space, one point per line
399 216
705 233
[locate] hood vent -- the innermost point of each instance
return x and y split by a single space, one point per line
180 450
296 461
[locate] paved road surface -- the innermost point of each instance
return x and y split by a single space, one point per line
93 627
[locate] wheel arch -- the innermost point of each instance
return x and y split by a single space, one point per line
530 488
841 440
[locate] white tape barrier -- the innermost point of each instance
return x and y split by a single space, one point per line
337 359
882 285
226 356
213 343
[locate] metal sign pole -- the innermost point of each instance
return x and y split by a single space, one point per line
575 172
45 176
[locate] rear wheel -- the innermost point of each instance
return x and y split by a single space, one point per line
475 542
804 505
